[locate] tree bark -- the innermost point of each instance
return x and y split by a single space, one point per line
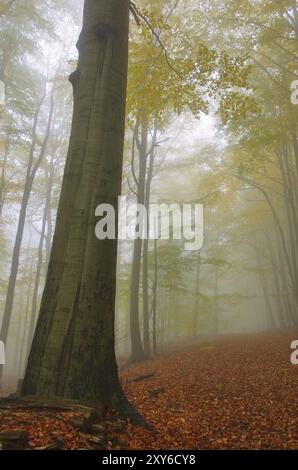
72 353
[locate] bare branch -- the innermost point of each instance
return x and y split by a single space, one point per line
147 22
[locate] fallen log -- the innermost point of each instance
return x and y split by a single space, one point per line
137 378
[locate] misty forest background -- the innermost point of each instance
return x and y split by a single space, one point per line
209 120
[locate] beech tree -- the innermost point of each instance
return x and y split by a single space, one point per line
72 353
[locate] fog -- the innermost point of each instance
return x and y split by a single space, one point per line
221 130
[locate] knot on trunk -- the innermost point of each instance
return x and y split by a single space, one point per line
74 77
99 32
102 31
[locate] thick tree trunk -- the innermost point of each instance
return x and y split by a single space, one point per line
72 353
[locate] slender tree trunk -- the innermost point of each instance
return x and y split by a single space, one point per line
263 282
289 298
30 176
197 292
72 353
216 329
48 237
40 257
20 320
23 348
146 329
137 352
279 295
2 180
154 301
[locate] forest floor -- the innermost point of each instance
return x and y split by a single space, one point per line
236 392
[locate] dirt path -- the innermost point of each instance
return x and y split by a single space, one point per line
236 393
